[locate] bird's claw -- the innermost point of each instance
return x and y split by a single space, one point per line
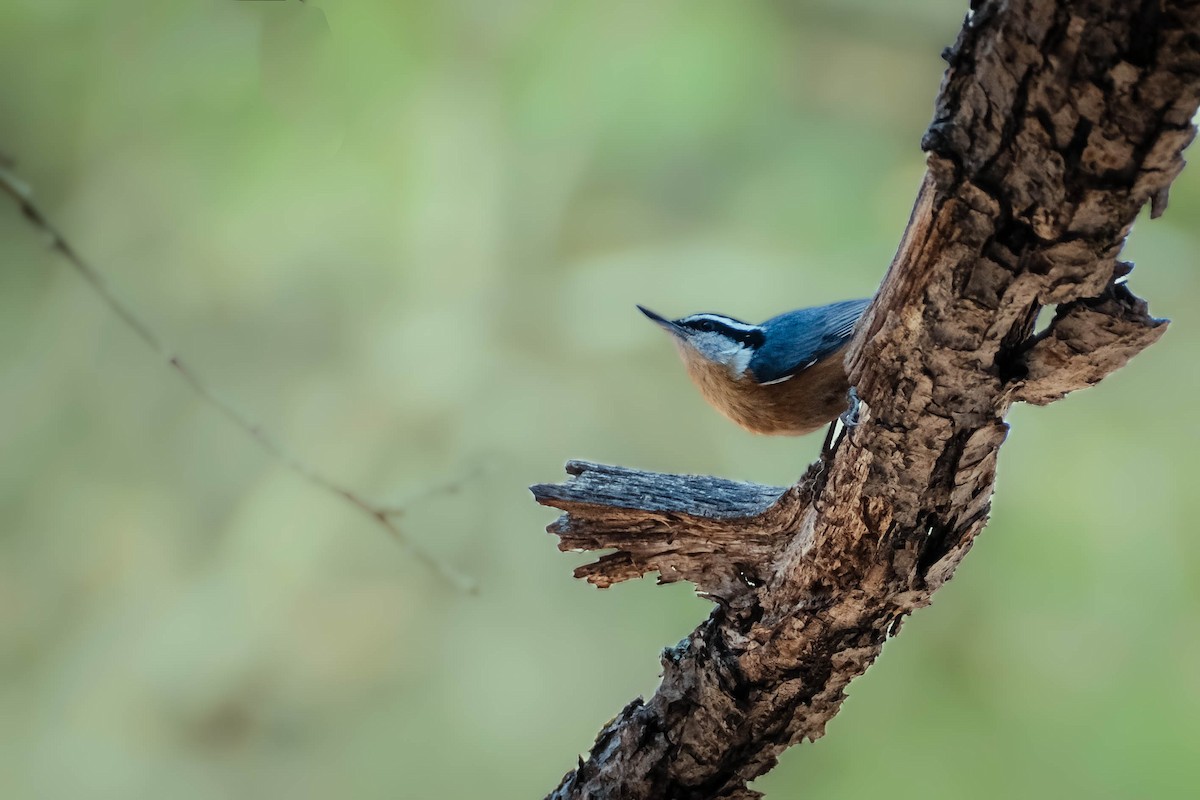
849 417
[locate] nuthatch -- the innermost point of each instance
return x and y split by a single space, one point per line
783 377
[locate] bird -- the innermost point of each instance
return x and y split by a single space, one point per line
782 377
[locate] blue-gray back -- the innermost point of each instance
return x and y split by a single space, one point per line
797 339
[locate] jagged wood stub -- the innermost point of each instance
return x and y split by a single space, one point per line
715 533
1055 124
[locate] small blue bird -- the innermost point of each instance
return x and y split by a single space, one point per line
784 377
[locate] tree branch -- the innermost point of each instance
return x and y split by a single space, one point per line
1086 340
712 532
1056 123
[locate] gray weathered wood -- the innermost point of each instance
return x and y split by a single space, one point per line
715 533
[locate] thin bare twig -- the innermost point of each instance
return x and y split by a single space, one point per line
22 195
446 487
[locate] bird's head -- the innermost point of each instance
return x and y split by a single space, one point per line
707 339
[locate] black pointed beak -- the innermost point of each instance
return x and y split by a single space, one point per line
660 320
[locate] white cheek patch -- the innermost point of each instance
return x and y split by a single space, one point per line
739 362
717 349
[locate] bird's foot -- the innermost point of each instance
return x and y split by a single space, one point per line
849 417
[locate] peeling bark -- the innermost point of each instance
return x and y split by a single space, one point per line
1055 124
1086 340
682 526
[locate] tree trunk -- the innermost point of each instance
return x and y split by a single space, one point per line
1056 123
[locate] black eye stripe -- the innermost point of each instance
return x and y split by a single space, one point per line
752 338
740 332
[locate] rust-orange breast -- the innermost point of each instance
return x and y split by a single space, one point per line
801 404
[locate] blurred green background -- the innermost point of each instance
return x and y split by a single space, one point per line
407 238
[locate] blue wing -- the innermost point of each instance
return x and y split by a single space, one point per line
798 339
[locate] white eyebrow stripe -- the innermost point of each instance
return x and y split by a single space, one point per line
726 321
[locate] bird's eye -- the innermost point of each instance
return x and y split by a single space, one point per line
705 325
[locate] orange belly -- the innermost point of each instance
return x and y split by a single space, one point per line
801 404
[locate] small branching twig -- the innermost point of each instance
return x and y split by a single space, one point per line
22 195
446 487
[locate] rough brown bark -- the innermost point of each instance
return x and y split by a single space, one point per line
1055 124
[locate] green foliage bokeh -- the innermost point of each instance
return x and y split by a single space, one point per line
407 238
